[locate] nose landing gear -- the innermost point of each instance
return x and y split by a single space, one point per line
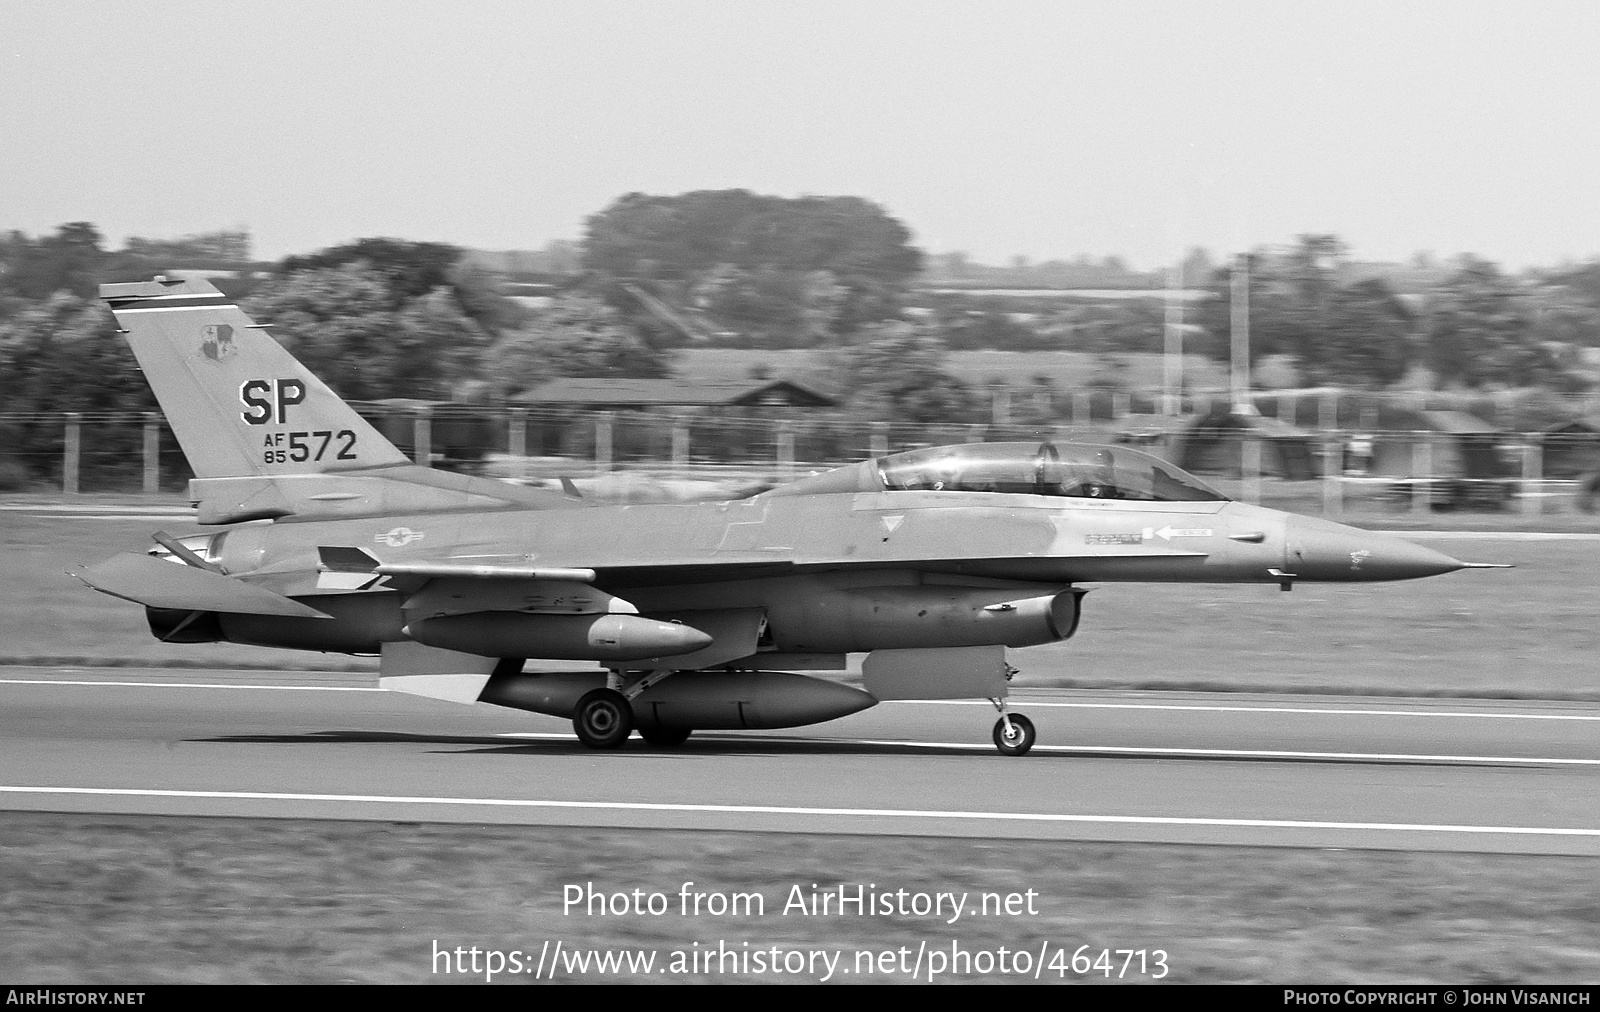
1013 733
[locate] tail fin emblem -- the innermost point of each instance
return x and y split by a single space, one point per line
217 341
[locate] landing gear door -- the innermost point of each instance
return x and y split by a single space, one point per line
942 673
429 671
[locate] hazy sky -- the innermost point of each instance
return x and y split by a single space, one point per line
1042 129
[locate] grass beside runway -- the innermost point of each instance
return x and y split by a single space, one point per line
122 900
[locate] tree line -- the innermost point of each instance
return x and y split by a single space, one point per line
382 317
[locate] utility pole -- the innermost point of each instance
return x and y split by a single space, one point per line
1239 299
1172 361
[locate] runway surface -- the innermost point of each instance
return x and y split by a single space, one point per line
1512 777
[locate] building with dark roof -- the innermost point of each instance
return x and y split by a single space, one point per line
603 394
1214 444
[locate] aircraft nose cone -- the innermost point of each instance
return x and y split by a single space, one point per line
1321 550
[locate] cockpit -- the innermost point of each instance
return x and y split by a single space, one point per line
1072 470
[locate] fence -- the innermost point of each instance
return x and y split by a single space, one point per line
1421 470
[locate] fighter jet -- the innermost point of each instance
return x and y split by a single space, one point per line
932 562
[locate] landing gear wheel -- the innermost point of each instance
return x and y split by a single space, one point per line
665 737
603 719
1019 741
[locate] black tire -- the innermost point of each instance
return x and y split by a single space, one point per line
665 737
1018 743
603 718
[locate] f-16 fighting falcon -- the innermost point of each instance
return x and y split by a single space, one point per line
933 562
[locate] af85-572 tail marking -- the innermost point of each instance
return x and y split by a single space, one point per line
222 380
266 438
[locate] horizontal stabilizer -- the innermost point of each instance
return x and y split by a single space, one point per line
156 583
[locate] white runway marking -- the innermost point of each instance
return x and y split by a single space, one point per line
86 509
193 685
1336 711
175 517
899 813
968 746
1496 535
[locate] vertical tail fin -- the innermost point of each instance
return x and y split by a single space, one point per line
265 437
238 402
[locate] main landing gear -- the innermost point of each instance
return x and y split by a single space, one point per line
603 718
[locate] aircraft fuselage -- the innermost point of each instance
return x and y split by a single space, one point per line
786 554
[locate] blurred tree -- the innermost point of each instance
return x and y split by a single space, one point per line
896 372
756 262
576 335
477 294
47 349
1120 328
1569 311
227 250
436 341
1367 338
1582 281
72 260
955 266
1480 332
1565 321
987 328
409 269
1356 335
345 325
226 247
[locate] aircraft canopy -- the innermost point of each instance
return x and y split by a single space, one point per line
1073 469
